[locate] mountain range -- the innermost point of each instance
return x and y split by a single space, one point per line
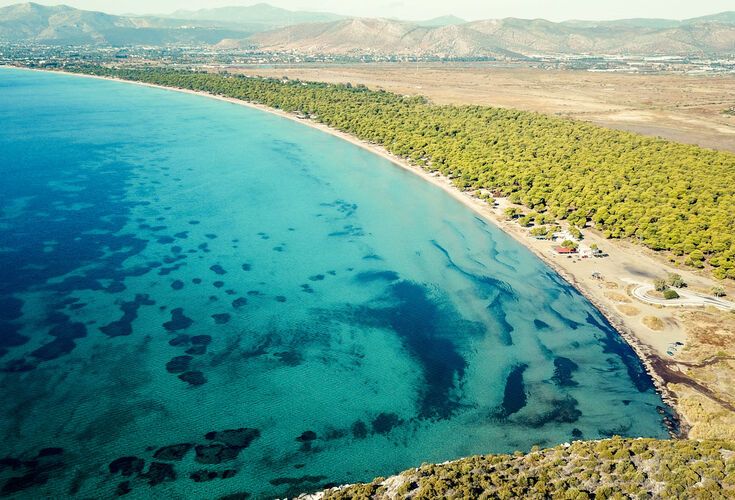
269 28
501 37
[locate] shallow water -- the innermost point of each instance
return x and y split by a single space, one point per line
172 267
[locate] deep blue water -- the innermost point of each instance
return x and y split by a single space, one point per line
199 299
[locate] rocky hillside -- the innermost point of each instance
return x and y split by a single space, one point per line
612 468
273 29
505 36
63 25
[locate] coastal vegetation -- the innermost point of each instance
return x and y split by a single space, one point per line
665 195
612 468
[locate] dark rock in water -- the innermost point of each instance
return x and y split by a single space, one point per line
385 422
10 463
306 288
54 349
254 293
178 321
179 340
280 298
230 292
211 236
317 277
69 331
228 473
563 411
217 269
123 488
116 287
541 325
290 358
57 317
50 452
234 437
221 318
165 271
627 402
197 350
563 370
124 326
577 434
20 483
177 285
18 366
10 308
194 222
306 436
159 472
201 476
239 302
201 339
212 454
514 396
176 249
178 364
127 466
9 336
359 430
196 281
247 267
172 452
194 378
218 284
117 329
182 235
165 240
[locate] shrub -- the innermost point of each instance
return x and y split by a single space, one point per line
660 285
676 281
670 294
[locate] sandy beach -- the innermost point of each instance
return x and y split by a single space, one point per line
651 330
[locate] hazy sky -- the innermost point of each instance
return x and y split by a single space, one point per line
555 10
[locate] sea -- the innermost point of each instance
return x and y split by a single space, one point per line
204 300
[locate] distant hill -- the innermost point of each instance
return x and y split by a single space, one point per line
378 36
271 28
63 25
722 17
260 16
505 36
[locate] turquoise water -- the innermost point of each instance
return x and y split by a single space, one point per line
199 299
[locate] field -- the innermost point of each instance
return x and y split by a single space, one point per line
683 108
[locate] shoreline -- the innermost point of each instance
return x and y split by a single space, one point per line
646 353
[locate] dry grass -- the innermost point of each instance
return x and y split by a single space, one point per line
711 342
629 310
618 297
654 323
